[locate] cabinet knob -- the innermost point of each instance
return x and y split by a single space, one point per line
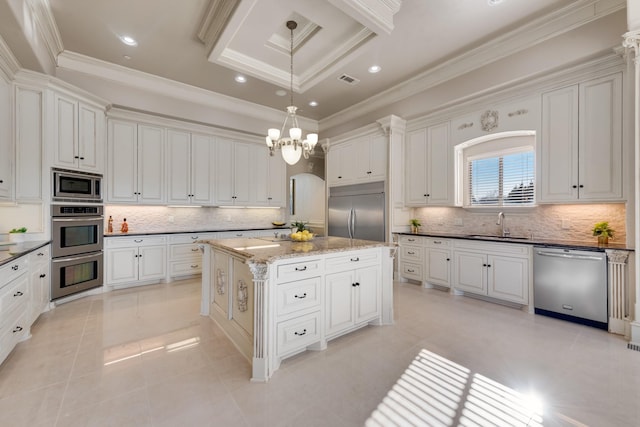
339 177
140 256
581 186
574 186
448 259
1 181
484 265
76 157
368 172
81 158
488 265
353 285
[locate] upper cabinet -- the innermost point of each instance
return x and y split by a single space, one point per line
428 167
363 159
581 142
136 163
189 168
6 141
232 172
79 135
29 120
269 180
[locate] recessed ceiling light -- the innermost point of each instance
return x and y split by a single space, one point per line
126 56
374 69
241 79
313 103
281 92
129 41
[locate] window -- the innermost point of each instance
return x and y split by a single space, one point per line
497 171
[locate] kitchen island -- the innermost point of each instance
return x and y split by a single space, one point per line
276 298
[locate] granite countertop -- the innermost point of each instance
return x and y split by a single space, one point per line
581 245
13 251
264 250
218 230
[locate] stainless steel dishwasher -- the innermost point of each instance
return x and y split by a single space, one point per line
571 285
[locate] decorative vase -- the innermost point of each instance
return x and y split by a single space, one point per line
414 229
603 240
16 237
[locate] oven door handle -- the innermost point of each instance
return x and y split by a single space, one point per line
84 218
76 258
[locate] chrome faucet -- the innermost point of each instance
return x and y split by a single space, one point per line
504 232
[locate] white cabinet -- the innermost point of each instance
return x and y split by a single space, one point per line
363 159
39 281
438 262
29 143
135 260
189 168
411 261
232 172
352 291
136 163
497 270
269 178
185 256
581 142
14 305
429 171
6 141
78 135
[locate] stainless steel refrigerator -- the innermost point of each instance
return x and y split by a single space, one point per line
357 211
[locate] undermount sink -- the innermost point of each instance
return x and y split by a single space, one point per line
485 236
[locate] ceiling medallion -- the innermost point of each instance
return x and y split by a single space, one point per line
489 120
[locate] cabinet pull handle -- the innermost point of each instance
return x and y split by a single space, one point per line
574 186
138 240
484 265
356 259
304 332
18 294
195 250
303 296
411 253
357 283
42 276
410 270
339 177
411 240
448 259
140 256
15 267
488 265
1 181
194 237
194 265
301 269
17 329
437 242
40 254
581 186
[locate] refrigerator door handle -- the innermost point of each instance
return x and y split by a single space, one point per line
353 223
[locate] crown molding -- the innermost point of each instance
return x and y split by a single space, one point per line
214 21
534 32
43 17
374 14
167 87
8 62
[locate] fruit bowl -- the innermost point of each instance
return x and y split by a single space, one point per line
278 223
301 236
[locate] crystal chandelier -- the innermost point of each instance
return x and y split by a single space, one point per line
293 146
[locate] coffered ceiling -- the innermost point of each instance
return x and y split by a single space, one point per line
207 43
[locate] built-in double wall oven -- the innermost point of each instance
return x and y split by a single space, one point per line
77 248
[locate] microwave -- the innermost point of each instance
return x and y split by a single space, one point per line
75 186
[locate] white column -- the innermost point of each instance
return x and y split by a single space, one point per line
632 44
261 362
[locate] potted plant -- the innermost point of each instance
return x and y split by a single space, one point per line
17 234
415 225
603 232
298 226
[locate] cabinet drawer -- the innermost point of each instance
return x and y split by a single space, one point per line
128 242
411 240
299 270
351 260
185 250
15 293
12 270
411 253
40 256
191 237
183 268
299 295
437 242
298 333
411 271
13 331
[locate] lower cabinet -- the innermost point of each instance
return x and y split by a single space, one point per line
497 270
438 262
352 295
185 256
135 260
39 281
14 305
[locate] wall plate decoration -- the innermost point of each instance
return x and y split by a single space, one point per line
489 120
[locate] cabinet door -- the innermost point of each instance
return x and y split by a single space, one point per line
220 282
242 296
152 262
339 301
6 141
378 158
416 171
151 165
39 286
277 182
558 152
438 166
122 162
470 272
66 133
90 139
178 167
242 172
122 265
368 294
342 161
600 139
224 172
202 151
29 160
260 172
508 278
438 263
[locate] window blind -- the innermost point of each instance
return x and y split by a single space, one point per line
506 180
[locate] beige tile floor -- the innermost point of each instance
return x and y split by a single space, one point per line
144 357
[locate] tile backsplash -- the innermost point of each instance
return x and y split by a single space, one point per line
558 222
142 219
